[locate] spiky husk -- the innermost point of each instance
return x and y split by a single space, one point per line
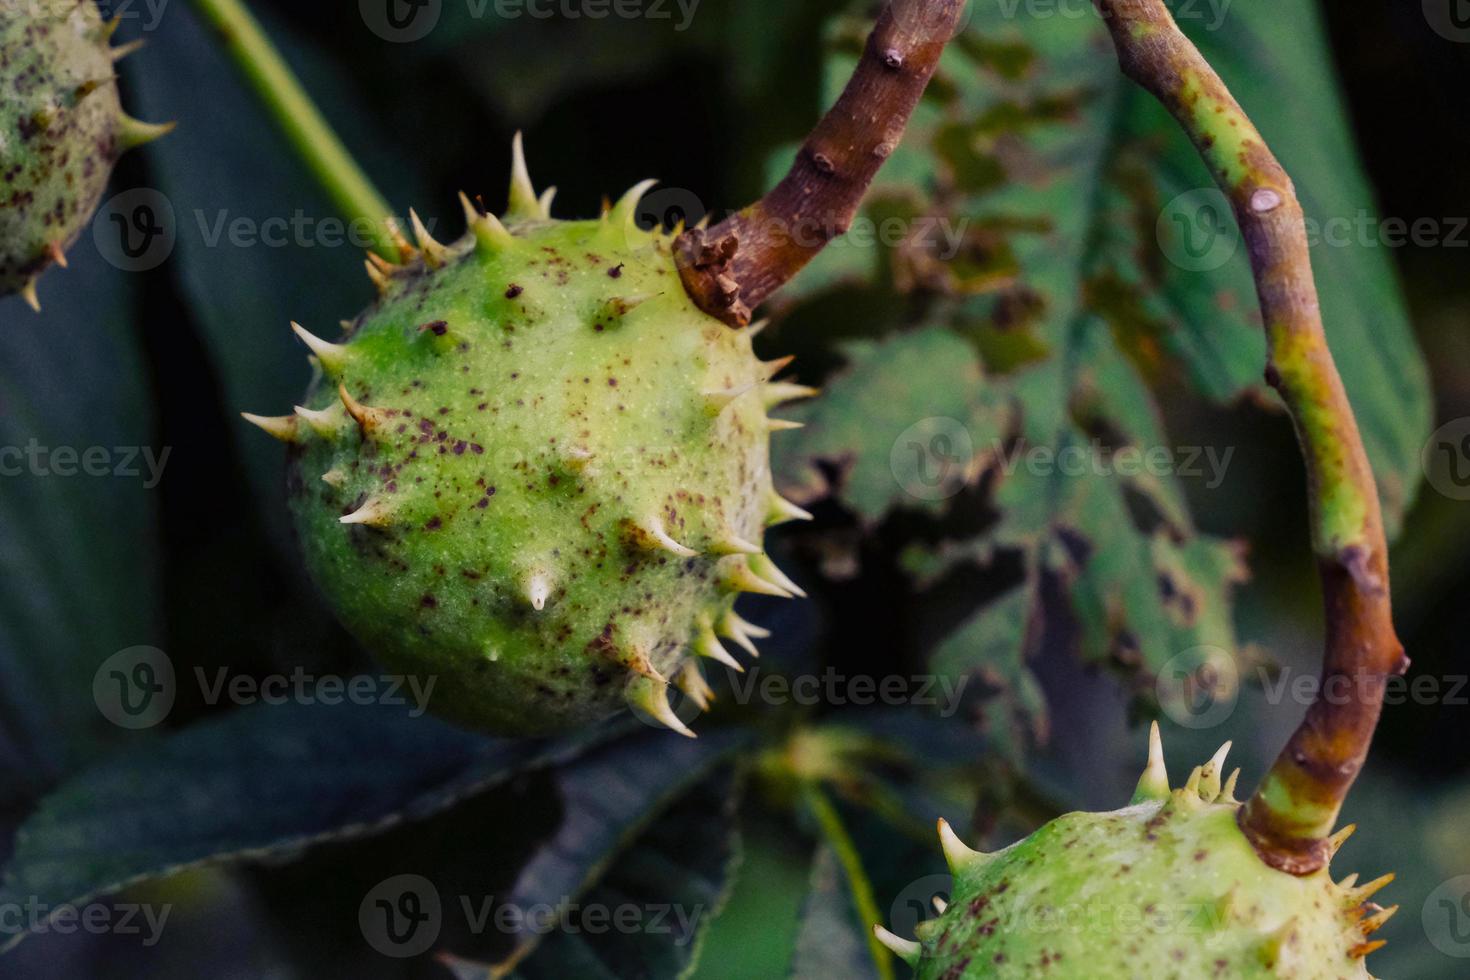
537 472
61 130
1166 887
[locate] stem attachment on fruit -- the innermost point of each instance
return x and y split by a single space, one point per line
730 269
1295 809
302 123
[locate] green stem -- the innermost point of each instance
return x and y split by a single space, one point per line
308 132
837 837
1291 815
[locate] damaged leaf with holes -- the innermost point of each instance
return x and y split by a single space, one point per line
1066 285
1067 191
1143 586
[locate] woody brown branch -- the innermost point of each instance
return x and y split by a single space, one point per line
1293 811
731 268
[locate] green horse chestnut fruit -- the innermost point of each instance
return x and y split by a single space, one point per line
1168 886
61 130
535 470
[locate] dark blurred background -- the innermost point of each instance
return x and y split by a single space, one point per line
605 105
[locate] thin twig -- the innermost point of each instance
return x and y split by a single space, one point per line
734 266
308 132
1297 804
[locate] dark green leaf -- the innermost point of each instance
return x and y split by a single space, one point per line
609 797
832 942
993 646
890 425
260 782
683 866
755 933
77 551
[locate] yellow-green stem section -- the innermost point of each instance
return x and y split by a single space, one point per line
836 836
308 132
1237 156
1290 817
